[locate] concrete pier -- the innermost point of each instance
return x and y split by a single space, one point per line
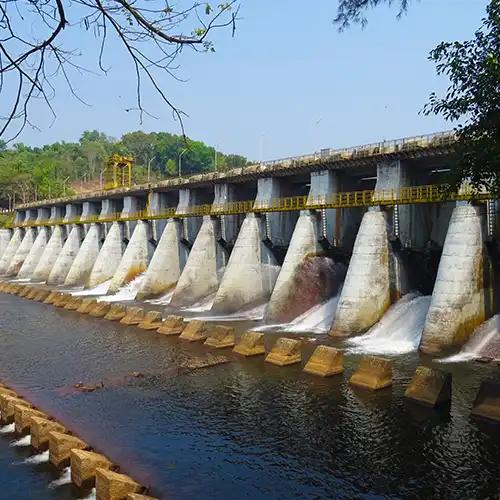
66 257
5 236
113 486
40 432
10 251
463 292
22 252
60 447
29 265
84 465
49 255
373 373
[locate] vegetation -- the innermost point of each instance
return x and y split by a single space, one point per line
472 99
30 173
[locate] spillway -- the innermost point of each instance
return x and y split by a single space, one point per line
49 255
34 255
66 257
400 329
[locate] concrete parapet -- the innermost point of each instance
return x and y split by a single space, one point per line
60 446
66 257
221 337
84 465
325 361
116 312
172 325
100 309
285 352
462 297
250 344
373 373
430 387
133 317
40 429
195 331
487 403
152 321
22 417
87 305
114 486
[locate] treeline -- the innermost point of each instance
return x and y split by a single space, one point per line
63 168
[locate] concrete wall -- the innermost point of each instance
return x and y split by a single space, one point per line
49 255
5 236
31 261
22 252
67 256
11 250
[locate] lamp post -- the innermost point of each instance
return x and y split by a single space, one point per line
185 150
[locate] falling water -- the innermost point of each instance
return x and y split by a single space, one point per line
203 305
8 429
65 478
126 292
318 319
24 441
164 300
251 314
399 330
101 289
484 342
38 459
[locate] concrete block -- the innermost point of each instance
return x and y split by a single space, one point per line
73 304
42 295
373 373
172 325
116 312
285 352
152 321
60 446
22 417
250 344
8 392
32 293
325 361
86 305
137 496
24 291
84 465
7 404
113 486
40 429
100 310
133 317
221 336
50 298
195 331
487 403
430 387
62 300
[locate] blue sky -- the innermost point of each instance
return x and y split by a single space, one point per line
287 84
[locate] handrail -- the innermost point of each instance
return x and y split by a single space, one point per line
436 193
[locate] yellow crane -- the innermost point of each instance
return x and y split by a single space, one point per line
118 172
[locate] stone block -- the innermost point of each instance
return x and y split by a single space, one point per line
73 304
24 291
133 317
63 299
250 344
325 361
373 373
172 325
7 404
50 298
32 293
22 417
114 486
195 331
84 465
40 430
285 352
100 309
430 387
86 305
60 446
8 392
487 403
152 321
42 295
116 312
221 336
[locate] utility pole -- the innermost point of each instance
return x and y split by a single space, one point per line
185 150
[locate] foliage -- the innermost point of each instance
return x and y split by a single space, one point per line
473 68
29 173
353 11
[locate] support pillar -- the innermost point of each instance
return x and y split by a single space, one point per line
24 248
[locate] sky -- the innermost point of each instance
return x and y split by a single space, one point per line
288 83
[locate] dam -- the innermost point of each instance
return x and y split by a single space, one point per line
366 224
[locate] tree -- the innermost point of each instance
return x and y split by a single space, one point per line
473 68
353 11
34 60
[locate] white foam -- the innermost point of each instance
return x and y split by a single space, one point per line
126 292
254 314
92 495
400 329
101 289
38 459
203 305
164 300
7 429
65 478
24 441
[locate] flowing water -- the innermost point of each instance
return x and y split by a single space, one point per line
127 292
241 429
400 329
101 289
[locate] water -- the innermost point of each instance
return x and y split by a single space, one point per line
65 478
8 429
101 289
41 458
24 441
484 342
242 429
127 292
164 300
400 329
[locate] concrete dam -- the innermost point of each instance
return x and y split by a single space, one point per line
351 232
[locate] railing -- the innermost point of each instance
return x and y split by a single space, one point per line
350 199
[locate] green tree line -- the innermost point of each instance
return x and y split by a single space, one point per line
31 173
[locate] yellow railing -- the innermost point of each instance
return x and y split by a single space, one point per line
351 199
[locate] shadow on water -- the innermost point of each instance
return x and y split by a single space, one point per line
244 428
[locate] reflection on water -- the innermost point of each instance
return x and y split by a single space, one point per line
241 429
